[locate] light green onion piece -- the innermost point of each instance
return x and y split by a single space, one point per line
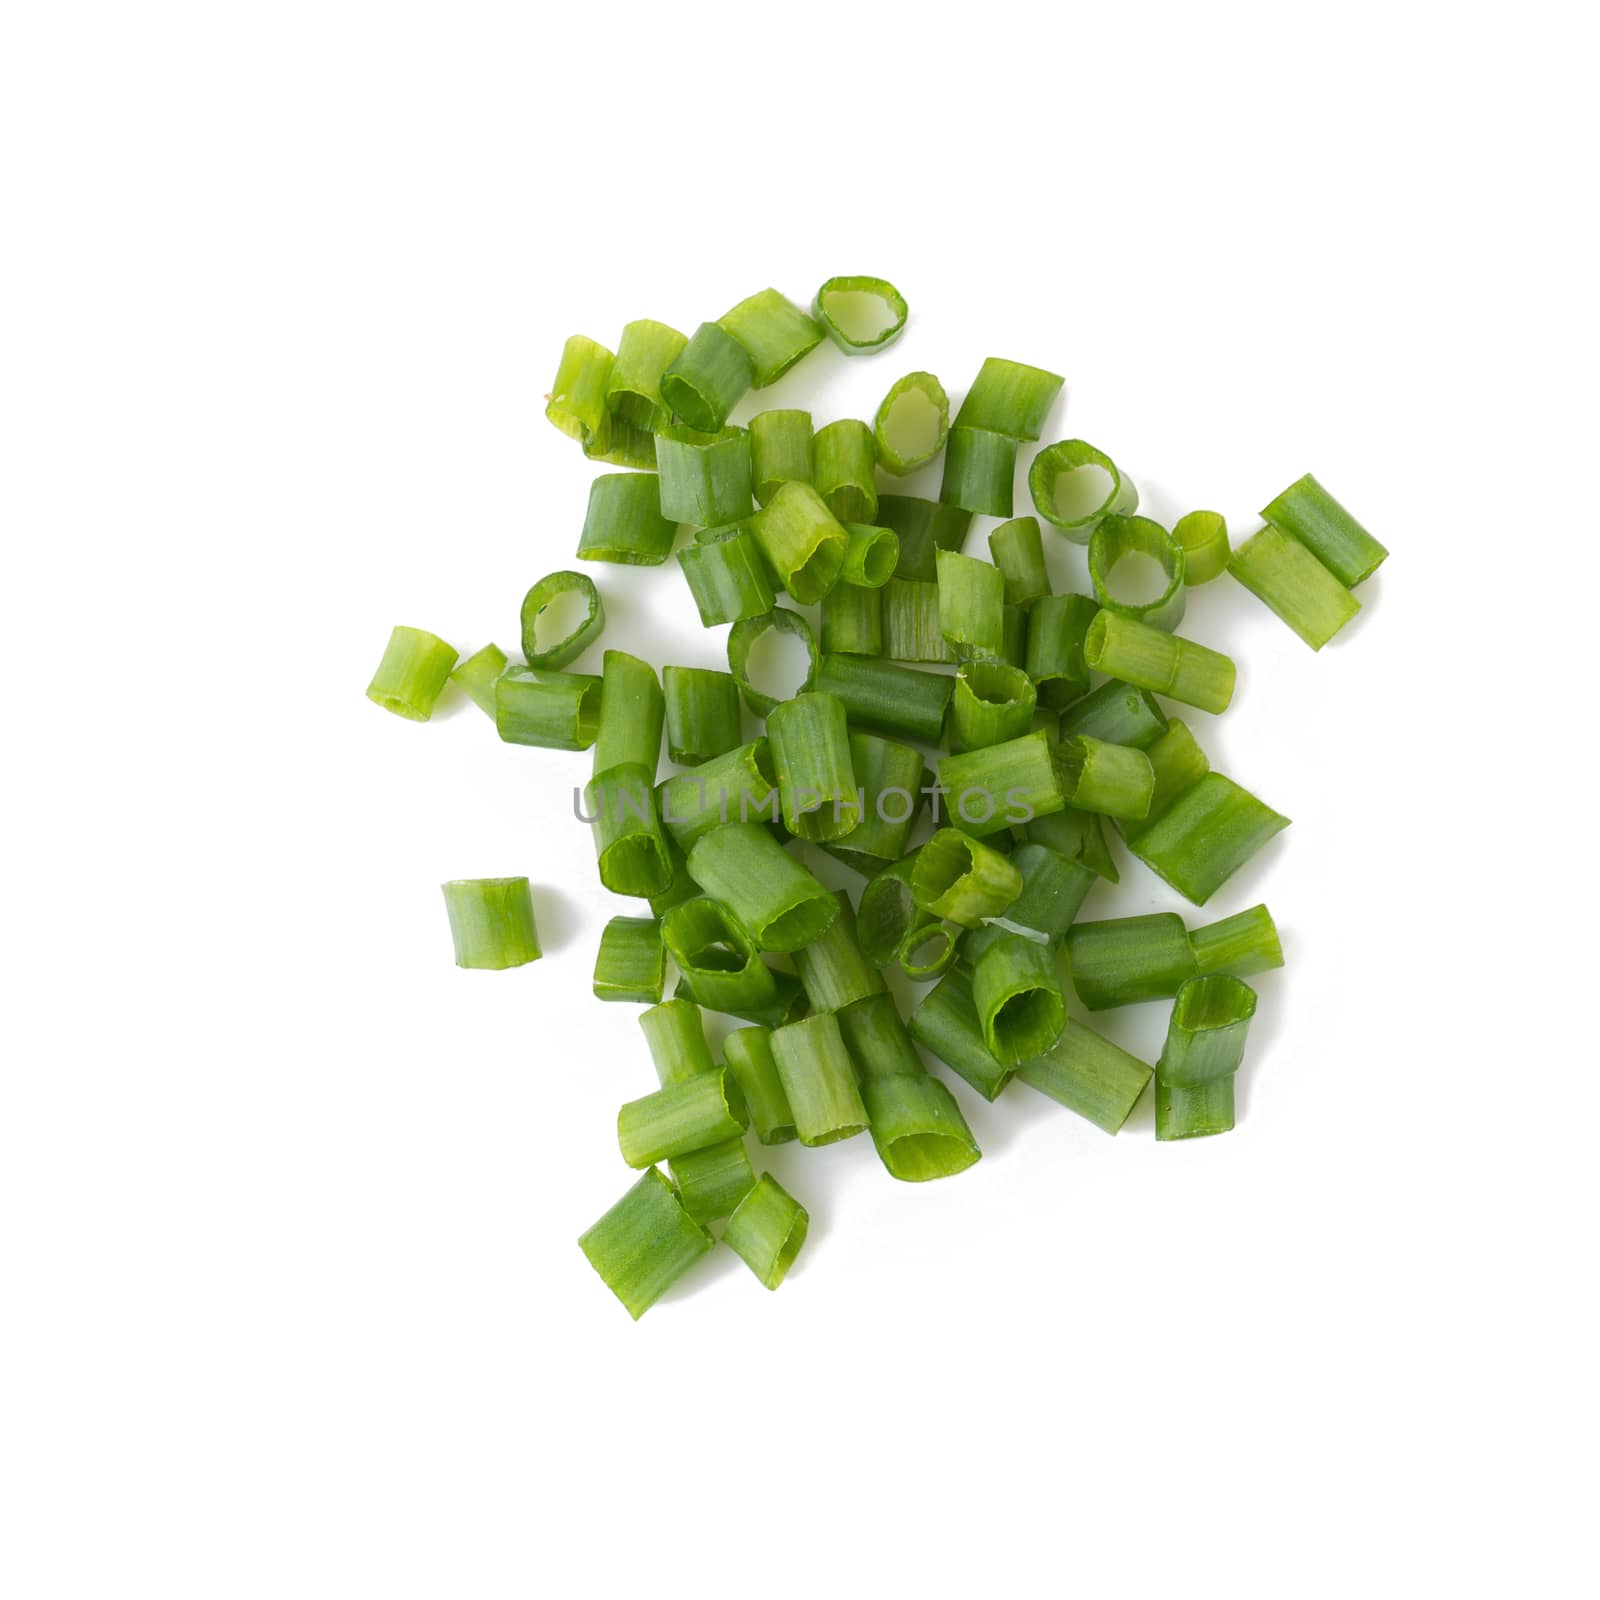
911 622
633 391
707 378
1087 1073
1110 779
712 1182
477 675
888 913
945 1023
1126 960
1013 647
860 314
1206 1033
910 426
928 950
1177 763
491 922
1074 485
774 898
692 1114
1284 576
1018 551
816 779
1241 945
632 712
552 710
702 714
889 697
412 675
852 621
924 527
1119 713
1206 835
1010 398
960 880
680 886
1204 538
1307 512
547 592
644 1243
802 540
1077 835
576 403
622 445
705 478
843 456
870 556
972 597
1017 990
749 1057
727 575
833 970
1002 785
819 1080
1057 627
620 806
787 1005
1120 541
890 776
978 471
718 959
1194 1113
675 1033
993 702
773 331
1163 663
631 963
767 1230
741 786
780 451
624 523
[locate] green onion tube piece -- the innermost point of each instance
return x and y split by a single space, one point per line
1017 990
553 710
842 458
888 697
911 622
742 640
633 391
1078 836
741 786
928 950
1057 626
945 1023
802 540
1126 960
1010 398
960 880
978 471
1013 649
870 556
816 779
1086 1073
1205 836
622 445
491 922
680 886
1119 713
644 1243
1074 485
1241 945
412 675
1002 785
910 426
717 958
1018 550
631 963
749 1058
676 1036
727 575
705 481
852 621
1307 512
1111 779
712 1182
992 703
691 1114
620 806
1114 541
624 523
478 674
972 597
1161 662
780 451
1178 763
773 332
1194 1113
787 1005
1203 536
890 776
1285 577
632 712
707 378
576 403
766 1231
888 912
545 593
1053 888
819 1080
702 714
773 897
1206 1033
860 314
924 527
833 969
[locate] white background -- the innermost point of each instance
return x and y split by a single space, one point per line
288 1203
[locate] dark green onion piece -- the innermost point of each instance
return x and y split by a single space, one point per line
945 1023
624 523
816 779
675 1033
870 556
911 424
1010 398
780 451
705 479
1284 576
702 714
1126 960
491 922
632 851
1074 485
741 786
1205 836
1119 713
911 622
887 696
749 1057
1077 835
1013 649
412 675
961 880
742 639
972 598
978 471
819 1080
773 897
727 575
802 540
712 1182
1001 785
924 527
928 950
631 963
691 1114
633 391
1086 1073
644 1243
842 460
623 445
788 1004
1204 537
478 674
572 645
767 1230
632 712
1163 663
888 913
1018 550
718 958
1057 625
890 776
1178 763
774 333
1241 945
1017 990
1117 538
860 314
992 703
707 379
1206 1034
680 886
1053 888
833 969
553 710
852 621
577 399
1307 512
1194 1113
1111 779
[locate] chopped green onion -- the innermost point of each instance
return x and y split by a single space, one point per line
742 639
1119 713
924 526
680 886
993 702
843 456
632 851
491 922
870 556
1206 1033
1018 550
1111 779
1053 888
676 1036
1241 945
833 969
816 780
1178 763
727 575
774 333
718 958
1074 485
1125 960
978 471
1077 835
890 777
788 1003
691 1114
1017 990
887 696
578 639
741 786
1013 648
961 880
802 540
1204 538
644 1243
767 1230
780 451
819 1080
478 674
910 426
1162 662
623 445
911 622
945 1023
928 950
633 390
632 712
624 523
577 399
1010 398
1118 538
702 714
1086 1073
705 479
553 710
1194 1113
773 897
749 1058
1307 512
972 597
631 963
1281 573
1205 836
1001 785
707 378
412 675
852 621
888 913
712 1182
1057 626
860 314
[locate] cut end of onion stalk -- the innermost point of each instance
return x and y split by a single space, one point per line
911 423
860 314
1074 485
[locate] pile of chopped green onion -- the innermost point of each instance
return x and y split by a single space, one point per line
952 700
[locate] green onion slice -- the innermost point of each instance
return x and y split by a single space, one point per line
1307 512
690 1114
833 969
553 710
743 638
1194 1113
911 423
802 540
972 598
960 880
718 958
702 714
741 786
1161 662
1111 779
1018 551
1241 945
578 637
1088 1074
1206 835
644 1243
924 527
675 1034
412 674
780 451
1284 576
978 471
632 713
1057 627
911 622
819 1080
852 620
707 378
945 1023
1074 485
860 314
1128 542
816 778
712 1182
1119 713
774 898
993 702
766 1231
576 403
843 457
629 845
631 963
704 478
624 523
491 922
1001 785
774 333
1017 990
1206 1033
727 575
633 390
749 1056
1010 398
1204 538
887 696
870 557
478 674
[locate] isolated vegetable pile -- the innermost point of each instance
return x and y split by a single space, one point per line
950 744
